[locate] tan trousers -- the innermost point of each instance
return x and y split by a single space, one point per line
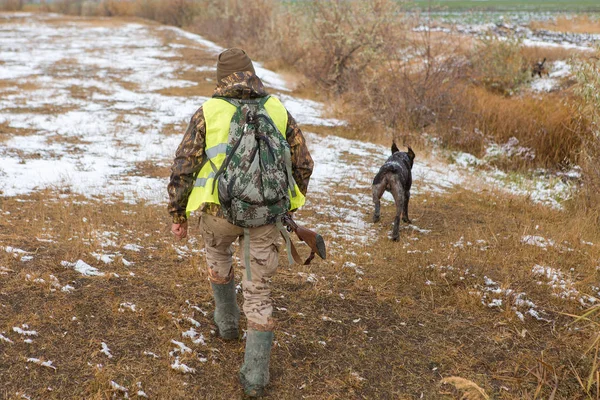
219 236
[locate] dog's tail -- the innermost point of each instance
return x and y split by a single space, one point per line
390 169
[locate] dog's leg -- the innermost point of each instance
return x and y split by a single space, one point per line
377 193
405 211
399 200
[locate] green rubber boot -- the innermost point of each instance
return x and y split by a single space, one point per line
227 312
254 374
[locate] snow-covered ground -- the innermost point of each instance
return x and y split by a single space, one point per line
91 144
512 24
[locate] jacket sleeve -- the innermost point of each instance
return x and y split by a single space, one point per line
302 163
185 168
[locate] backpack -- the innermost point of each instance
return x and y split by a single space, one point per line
256 174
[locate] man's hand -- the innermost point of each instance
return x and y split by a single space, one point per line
180 230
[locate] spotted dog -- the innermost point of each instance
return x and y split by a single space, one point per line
395 176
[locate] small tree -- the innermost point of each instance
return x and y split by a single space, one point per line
499 64
347 37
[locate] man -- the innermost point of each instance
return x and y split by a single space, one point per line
200 155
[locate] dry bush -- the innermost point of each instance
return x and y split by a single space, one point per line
576 24
546 125
176 12
11 5
69 7
347 37
251 25
329 42
499 65
268 30
412 90
171 12
109 8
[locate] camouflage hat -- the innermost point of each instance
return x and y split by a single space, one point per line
233 60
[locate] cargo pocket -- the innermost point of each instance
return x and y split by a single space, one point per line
207 234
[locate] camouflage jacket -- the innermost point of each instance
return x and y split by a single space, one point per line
189 155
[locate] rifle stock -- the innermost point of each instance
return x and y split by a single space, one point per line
311 238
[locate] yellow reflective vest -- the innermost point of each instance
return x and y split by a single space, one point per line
217 116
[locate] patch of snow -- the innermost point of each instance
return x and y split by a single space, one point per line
105 258
353 266
106 351
151 354
67 289
563 287
311 278
24 331
14 250
47 364
197 338
129 306
539 241
115 386
83 268
179 366
307 112
132 247
5 339
181 347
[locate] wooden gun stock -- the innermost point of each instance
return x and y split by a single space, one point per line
311 238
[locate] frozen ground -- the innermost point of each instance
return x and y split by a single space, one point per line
91 143
515 24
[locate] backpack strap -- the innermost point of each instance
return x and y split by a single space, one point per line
247 253
288 242
263 100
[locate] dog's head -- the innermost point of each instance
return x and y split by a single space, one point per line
410 153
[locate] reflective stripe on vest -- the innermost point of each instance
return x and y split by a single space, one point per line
218 114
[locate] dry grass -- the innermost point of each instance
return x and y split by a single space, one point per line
536 54
393 332
153 169
576 24
388 320
548 125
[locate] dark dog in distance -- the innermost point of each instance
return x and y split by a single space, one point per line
539 69
395 176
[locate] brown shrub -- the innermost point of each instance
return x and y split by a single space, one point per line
346 38
69 7
251 25
547 125
499 65
11 5
109 8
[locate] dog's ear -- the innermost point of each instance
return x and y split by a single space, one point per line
394 147
411 153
